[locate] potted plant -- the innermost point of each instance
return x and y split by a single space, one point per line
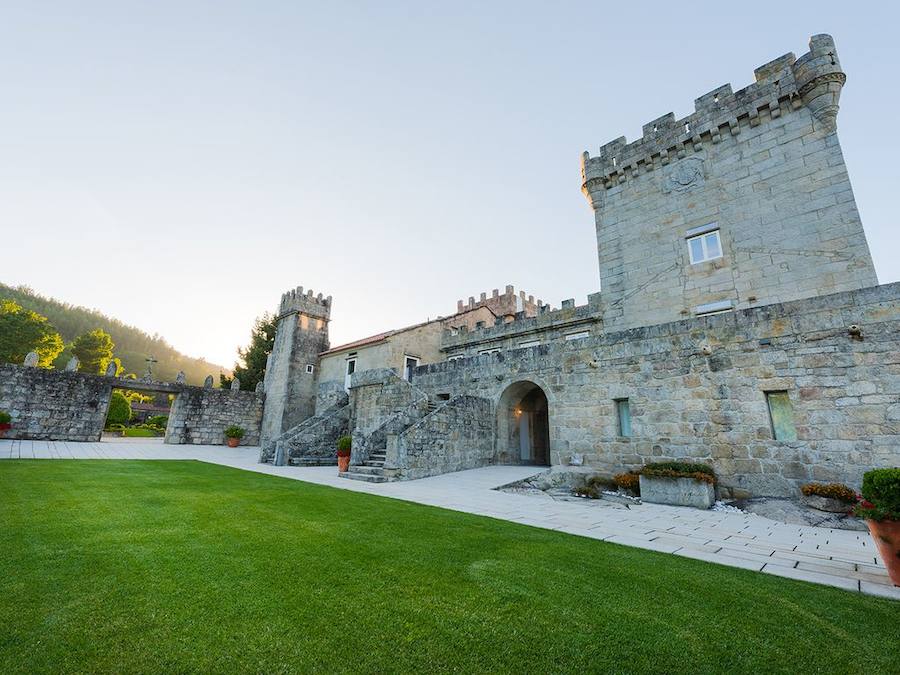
343 453
879 504
5 420
234 434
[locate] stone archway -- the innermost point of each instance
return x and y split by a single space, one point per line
523 425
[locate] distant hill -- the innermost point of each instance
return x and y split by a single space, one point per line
133 345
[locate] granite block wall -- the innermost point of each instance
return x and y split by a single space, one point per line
200 416
697 390
53 405
455 437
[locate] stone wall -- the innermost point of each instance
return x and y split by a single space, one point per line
200 416
762 164
53 405
456 436
697 389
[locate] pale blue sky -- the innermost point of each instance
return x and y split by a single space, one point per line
180 164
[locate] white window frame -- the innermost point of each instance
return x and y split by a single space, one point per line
580 335
529 343
406 358
350 359
310 368
491 350
456 357
702 234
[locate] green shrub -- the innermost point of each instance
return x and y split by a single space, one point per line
837 491
630 482
880 495
701 472
343 446
119 409
5 417
234 431
159 421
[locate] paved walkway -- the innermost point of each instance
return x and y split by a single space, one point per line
834 557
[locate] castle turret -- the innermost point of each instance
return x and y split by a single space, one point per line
820 79
292 369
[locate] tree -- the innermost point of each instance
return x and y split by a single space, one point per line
23 331
252 366
94 351
119 409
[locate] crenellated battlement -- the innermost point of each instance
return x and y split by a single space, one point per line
307 303
507 303
520 324
782 86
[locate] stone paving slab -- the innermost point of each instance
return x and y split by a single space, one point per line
841 558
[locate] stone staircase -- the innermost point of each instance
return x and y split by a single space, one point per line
370 471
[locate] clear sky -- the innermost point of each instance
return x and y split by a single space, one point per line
179 165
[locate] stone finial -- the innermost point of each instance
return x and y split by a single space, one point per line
111 368
72 365
235 384
179 379
208 382
260 387
31 360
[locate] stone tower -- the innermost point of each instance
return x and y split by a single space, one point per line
292 372
744 202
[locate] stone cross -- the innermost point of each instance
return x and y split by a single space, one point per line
31 360
111 369
235 384
207 383
179 379
150 361
72 365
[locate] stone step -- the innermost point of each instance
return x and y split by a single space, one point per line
363 468
374 462
368 478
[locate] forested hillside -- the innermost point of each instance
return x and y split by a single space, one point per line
132 345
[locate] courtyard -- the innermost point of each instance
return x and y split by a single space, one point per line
128 563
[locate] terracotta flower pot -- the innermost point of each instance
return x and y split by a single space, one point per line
343 463
233 442
886 534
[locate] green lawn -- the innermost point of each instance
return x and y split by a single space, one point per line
182 566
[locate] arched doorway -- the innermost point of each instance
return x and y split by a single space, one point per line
523 425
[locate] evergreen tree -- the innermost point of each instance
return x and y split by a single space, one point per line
252 366
94 351
23 331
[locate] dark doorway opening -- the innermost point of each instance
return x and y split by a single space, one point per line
523 425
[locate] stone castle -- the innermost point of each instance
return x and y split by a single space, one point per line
739 322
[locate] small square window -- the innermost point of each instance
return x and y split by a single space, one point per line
310 368
705 247
623 417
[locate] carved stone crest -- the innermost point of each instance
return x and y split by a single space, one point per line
684 175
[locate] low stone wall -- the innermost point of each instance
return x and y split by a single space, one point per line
200 416
697 391
456 436
53 405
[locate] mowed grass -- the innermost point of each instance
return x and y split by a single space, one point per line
164 566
